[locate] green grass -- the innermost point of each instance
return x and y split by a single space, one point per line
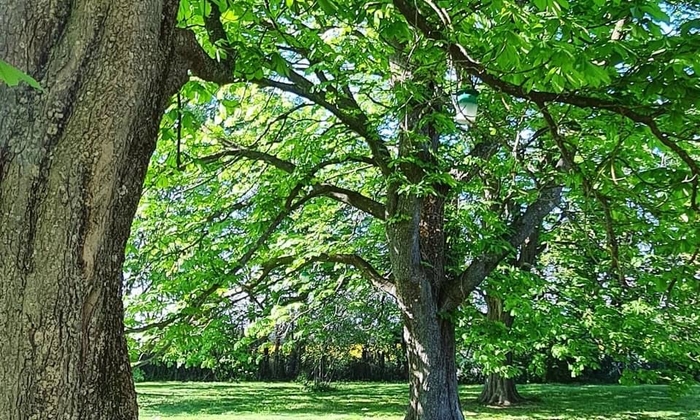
257 401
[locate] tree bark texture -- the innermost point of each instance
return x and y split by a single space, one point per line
417 246
72 163
499 390
432 369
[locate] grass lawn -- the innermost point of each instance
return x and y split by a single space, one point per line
257 401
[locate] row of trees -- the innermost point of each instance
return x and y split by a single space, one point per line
310 151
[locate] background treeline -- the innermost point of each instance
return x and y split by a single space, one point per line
364 363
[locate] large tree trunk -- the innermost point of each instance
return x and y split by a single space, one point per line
429 335
72 162
417 250
431 361
499 390
417 255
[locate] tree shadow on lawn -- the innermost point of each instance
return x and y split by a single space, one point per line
277 398
589 402
368 399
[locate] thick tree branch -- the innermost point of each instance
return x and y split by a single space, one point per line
351 198
354 260
365 268
197 60
519 230
343 195
462 59
241 152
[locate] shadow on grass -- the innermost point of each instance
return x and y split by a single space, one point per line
589 402
368 399
212 399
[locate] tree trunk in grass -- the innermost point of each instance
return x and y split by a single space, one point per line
432 368
498 389
72 162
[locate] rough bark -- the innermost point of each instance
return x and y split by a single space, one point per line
431 361
72 162
499 390
417 253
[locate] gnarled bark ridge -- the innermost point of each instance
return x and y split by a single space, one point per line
72 163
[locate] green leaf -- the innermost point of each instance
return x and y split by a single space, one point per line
279 65
328 6
12 76
564 4
541 4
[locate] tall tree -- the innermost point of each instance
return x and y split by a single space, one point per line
73 157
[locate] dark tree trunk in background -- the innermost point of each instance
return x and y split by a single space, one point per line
320 372
72 162
498 389
278 372
293 364
264 366
381 365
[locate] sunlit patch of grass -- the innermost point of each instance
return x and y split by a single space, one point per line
351 401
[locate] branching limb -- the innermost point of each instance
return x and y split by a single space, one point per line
365 268
201 298
519 230
461 58
343 195
613 243
351 198
291 205
360 264
346 109
251 154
